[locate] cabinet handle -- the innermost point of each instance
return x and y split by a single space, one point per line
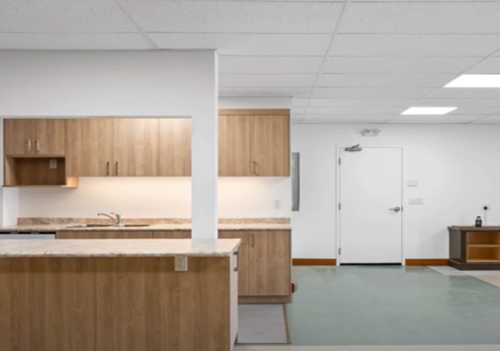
116 168
37 145
253 240
237 261
29 145
255 168
107 169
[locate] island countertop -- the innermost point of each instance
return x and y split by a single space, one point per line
119 248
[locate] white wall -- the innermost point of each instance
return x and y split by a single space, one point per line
457 166
156 197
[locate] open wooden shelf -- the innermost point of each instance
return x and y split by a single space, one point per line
37 171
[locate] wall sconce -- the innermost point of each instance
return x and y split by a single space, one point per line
370 132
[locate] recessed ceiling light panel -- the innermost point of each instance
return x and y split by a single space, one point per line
414 111
475 81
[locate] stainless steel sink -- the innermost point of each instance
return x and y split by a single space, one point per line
108 226
90 226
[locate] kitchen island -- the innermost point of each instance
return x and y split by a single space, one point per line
118 295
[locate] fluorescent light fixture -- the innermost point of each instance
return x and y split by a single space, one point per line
428 110
475 81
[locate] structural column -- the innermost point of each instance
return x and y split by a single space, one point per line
204 211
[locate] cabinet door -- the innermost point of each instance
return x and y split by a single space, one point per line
270 146
175 147
135 147
172 234
234 146
104 234
49 136
270 270
244 263
18 136
89 150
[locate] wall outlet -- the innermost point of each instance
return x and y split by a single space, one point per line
277 204
486 207
53 164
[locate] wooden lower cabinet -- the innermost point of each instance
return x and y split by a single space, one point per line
105 234
264 265
172 234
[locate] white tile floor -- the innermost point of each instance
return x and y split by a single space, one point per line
372 348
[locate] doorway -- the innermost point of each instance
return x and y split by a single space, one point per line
370 205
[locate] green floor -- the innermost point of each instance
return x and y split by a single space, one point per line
391 306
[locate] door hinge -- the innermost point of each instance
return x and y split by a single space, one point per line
340 251
340 207
340 161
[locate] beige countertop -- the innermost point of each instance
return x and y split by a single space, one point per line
152 227
119 248
55 227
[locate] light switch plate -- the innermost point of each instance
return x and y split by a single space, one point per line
416 201
412 183
53 163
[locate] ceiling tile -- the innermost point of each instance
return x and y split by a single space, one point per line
264 92
435 119
405 65
346 111
73 41
63 17
384 80
462 102
464 93
371 93
235 16
489 66
326 102
422 17
310 118
489 119
415 45
266 80
266 64
248 44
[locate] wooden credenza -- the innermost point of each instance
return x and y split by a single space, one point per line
474 248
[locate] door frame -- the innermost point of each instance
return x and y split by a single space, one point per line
338 188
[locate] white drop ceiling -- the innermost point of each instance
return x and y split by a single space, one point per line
355 61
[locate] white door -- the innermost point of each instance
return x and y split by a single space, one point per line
371 206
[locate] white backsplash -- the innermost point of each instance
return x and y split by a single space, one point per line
156 197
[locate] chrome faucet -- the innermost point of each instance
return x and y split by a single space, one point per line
117 218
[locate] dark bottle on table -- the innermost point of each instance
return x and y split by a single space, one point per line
479 221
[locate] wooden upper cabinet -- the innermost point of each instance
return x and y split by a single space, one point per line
175 147
35 137
50 136
136 147
18 137
234 145
89 151
270 145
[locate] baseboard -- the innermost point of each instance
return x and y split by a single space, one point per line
314 262
426 261
246 300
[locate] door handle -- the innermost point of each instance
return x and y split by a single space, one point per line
116 168
37 145
395 209
29 145
107 169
